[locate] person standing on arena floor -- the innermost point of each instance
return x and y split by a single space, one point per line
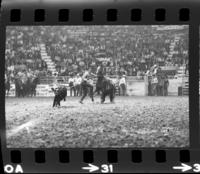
71 85
85 85
122 84
154 83
24 80
77 83
91 89
166 85
148 75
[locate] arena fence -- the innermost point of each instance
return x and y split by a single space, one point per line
135 86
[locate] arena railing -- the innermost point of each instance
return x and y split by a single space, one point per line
64 79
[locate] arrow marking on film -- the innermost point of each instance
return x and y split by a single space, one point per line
183 167
91 168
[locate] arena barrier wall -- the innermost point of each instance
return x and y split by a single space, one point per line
135 87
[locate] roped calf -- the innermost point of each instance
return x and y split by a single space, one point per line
60 94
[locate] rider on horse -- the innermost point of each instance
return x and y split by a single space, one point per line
100 73
100 77
104 85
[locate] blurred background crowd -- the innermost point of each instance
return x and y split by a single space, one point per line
129 50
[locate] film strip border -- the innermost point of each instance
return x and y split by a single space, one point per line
100 12
89 156
80 161
88 15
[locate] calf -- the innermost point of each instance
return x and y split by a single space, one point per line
60 94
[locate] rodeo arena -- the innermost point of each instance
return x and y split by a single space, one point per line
97 86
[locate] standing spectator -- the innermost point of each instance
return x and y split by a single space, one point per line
117 84
166 85
122 84
71 85
160 85
148 74
154 83
77 84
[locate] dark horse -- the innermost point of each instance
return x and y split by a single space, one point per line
106 87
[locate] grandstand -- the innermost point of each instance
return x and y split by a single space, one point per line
65 50
76 48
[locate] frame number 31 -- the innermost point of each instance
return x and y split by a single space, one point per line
106 168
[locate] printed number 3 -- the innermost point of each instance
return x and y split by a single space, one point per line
196 168
106 168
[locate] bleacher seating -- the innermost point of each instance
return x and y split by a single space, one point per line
125 49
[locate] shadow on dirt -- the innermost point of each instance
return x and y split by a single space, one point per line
106 103
67 107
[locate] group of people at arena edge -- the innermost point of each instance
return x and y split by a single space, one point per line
83 84
75 81
25 83
158 82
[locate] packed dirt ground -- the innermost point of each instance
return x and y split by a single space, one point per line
129 122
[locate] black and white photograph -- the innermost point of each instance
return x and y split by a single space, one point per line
97 86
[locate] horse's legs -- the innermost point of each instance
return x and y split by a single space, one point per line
35 92
111 97
91 93
112 94
97 91
54 102
103 96
22 92
32 92
19 92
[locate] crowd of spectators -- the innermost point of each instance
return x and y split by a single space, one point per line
129 50
22 51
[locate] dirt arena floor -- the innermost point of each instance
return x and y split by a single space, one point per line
129 122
